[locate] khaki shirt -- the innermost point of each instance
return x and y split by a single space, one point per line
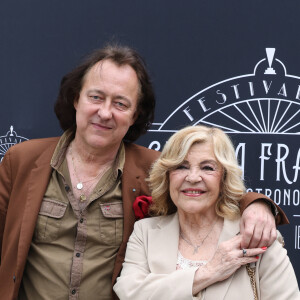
74 246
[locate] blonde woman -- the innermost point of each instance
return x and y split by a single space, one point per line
193 247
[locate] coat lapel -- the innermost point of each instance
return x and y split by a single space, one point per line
37 185
218 290
131 187
163 259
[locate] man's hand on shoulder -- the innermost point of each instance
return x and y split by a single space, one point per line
257 226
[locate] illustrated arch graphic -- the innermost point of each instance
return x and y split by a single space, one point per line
266 101
262 115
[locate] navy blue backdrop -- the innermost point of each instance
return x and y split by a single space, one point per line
231 64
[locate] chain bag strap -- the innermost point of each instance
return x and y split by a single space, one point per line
251 273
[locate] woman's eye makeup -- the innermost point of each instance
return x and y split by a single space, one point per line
181 167
208 168
205 167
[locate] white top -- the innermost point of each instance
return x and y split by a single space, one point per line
185 263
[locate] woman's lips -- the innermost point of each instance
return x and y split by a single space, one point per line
193 192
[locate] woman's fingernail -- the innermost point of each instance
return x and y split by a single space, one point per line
257 257
264 248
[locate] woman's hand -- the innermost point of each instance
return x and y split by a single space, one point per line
227 259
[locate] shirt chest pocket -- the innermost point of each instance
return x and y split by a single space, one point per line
49 220
111 223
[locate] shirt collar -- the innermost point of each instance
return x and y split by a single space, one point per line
59 154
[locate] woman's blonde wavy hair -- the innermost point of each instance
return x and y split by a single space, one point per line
175 151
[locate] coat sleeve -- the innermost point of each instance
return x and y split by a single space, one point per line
138 282
5 189
276 277
250 197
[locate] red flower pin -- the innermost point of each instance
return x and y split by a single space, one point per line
141 205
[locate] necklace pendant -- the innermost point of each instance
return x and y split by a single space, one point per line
79 185
82 197
196 249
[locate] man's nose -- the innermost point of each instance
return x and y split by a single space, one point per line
105 111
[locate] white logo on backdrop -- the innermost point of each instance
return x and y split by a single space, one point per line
11 138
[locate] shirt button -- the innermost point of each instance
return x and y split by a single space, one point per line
77 254
73 292
81 220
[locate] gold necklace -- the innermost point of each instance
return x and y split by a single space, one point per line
196 247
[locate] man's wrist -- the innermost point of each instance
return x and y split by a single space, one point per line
270 204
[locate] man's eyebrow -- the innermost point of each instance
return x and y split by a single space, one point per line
96 91
123 98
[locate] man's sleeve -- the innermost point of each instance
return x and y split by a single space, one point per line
251 197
